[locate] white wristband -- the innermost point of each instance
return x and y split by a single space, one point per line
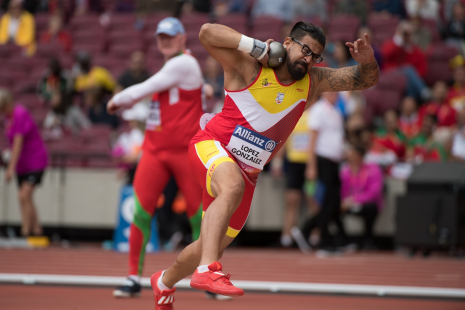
246 44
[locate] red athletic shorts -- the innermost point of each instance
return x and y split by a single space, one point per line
204 157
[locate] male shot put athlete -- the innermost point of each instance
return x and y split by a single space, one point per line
262 106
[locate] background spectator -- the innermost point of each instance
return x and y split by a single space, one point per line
136 72
340 56
326 152
439 106
361 191
55 33
82 7
28 159
95 102
409 120
358 8
17 26
128 147
311 10
423 147
421 34
54 79
454 32
28 5
428 9
63 116
296 154
456 94
355 125
402 55
87 76
213 75
223 7
388 146
458 145
390 7
280 9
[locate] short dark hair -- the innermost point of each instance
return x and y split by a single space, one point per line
358 149
302 29
432 117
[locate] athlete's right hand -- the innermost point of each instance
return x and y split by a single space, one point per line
264 60
112 107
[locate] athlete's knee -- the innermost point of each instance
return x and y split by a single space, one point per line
141 217
25 193
293 197
235 188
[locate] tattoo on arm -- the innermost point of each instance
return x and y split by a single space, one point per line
357 77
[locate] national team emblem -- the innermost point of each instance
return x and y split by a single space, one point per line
265 83
279 98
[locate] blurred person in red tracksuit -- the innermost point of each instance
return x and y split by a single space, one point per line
400 54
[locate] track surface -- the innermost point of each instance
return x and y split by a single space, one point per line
377 268
76 298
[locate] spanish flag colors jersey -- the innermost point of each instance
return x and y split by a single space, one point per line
256 121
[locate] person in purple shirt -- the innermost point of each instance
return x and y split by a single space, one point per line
361 190
28 158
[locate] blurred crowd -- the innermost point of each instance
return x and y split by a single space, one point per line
63 59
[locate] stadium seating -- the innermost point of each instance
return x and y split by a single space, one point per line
236 21
345 27
121 22
382 100
88 21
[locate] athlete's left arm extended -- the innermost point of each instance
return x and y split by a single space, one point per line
361 76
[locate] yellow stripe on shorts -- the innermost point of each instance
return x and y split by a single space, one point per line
231 232
212 154
212 168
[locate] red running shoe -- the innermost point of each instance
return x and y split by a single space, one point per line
163 299
215 281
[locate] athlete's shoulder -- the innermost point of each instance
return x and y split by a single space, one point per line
183 62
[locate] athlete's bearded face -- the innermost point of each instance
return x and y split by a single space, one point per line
297 63
170 46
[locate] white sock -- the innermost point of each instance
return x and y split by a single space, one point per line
202 269
135 279
162 286
286 240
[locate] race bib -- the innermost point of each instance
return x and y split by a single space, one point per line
154 117
250 147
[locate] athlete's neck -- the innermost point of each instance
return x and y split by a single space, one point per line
168 57
283 75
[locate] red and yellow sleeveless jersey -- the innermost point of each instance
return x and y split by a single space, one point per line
256 121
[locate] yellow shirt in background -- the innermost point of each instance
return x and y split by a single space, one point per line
97 77
25 36
298 143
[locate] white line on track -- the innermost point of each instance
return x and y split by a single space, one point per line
379 290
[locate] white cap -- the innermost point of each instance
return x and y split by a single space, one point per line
138 112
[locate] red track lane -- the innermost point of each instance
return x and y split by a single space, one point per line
16 297
377 268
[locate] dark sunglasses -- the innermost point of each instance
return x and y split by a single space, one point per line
308 52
